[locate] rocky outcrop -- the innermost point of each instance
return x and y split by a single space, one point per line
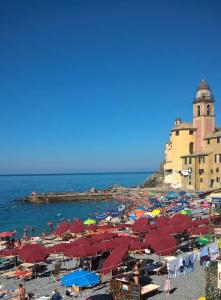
156 180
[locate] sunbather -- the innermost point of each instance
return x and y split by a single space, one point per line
20 293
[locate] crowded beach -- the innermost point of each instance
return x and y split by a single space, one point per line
150 245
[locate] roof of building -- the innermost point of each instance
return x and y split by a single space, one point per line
195 154
215 134
203 85
183 126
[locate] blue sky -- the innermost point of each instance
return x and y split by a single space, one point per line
89 86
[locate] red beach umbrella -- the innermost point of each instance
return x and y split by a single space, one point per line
114 259
141 225
6 234
162 220
77 227
137 245
8 252
81 251
200 230
62 228
80 242
163 246
58 248
105 246
31 255
91 227
105 236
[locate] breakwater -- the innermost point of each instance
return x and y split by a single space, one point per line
68 196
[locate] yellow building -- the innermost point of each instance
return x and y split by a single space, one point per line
193 153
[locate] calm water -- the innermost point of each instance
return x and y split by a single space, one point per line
16 215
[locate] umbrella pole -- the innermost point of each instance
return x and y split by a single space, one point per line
90 263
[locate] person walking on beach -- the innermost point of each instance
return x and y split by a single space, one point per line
167 286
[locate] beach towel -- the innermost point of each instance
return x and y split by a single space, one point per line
214 250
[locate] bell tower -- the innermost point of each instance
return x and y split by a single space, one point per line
203 114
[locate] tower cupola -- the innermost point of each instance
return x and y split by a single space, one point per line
203 92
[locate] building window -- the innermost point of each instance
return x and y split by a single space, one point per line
201 159
217 170
191 132
189 182
211 171
201 171
218 140
177 132
191 148
198 110
208 110
217 179
185 160
208 141
189 176
190 160
201 179
218 158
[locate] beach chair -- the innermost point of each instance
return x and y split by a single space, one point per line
55 273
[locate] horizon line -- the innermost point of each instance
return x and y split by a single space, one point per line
75 173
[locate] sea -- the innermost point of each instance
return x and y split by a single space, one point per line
17 215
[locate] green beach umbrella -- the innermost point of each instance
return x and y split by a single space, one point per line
89 222
203 239
185 212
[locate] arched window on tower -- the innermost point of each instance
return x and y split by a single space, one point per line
198 110
191 148
208 110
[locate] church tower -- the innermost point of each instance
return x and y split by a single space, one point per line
203 114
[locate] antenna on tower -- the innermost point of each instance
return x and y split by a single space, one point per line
203 75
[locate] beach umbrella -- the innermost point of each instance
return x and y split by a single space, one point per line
132 217
62 228
104 226
6 234
200 230
77 226
185 212
121 207
58 248
123 226
31 255
114 259
155 212
139 212
80 242
137 245
203 240
105 246
104 236
89 222
9 252
91 227
81 278
163 246
81 251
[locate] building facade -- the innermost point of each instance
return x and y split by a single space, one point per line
193 153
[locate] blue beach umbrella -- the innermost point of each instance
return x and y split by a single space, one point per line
80 278
121 208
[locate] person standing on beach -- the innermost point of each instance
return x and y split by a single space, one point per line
136 273
167 286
